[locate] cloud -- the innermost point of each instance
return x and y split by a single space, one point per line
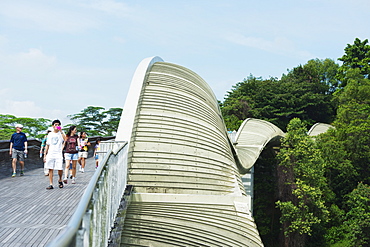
29 67
109 6
31 15
32 59
20 108
3 40
279 45
119 40
31 110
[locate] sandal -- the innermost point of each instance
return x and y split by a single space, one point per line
50 187
61 185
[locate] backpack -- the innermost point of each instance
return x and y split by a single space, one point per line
71 145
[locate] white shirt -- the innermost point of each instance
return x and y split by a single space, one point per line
55 142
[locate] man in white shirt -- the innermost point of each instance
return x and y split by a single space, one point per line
53 156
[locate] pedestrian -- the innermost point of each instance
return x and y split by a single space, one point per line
96 152
83 150
71 143
18 149
42 149
53 156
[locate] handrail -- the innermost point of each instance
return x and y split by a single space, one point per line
87 226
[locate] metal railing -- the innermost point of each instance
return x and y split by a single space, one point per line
94 217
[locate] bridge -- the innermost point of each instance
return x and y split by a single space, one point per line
172 176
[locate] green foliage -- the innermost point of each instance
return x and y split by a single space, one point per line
335 229
346 148
303 184
33 127
241 100
340 170
305 92
346 151
326 71
96 121
113 117
322 184
6 126
354 100
357 56
358 216
310 90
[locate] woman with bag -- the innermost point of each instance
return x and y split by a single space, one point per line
71 143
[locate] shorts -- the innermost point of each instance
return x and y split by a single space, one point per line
17 154
69 156
54 163
96 157
82 154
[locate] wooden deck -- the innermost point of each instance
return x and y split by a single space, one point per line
30 215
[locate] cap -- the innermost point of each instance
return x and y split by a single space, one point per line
50 129
19 126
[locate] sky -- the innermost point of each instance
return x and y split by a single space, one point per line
58 57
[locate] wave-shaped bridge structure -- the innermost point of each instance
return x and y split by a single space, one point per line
186 173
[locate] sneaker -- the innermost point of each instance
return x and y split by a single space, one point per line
14 174
82 170
65 180
22 173
73 180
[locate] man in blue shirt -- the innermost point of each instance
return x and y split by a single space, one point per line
18 148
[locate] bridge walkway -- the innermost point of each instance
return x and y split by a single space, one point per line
30 215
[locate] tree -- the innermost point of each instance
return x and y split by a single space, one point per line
347 147
358 216
90 120
33 127
6 126
113 117
326 72
302 186
96 121
310 92
346 151
305 92
357 56
237 104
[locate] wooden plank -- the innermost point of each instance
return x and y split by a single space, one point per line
30 215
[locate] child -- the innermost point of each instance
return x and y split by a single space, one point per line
83 151
96 151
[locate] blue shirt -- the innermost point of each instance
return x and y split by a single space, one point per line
18 140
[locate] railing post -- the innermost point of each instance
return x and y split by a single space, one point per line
86 228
